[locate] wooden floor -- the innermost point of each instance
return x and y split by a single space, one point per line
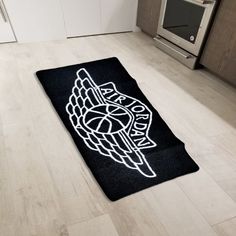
46 188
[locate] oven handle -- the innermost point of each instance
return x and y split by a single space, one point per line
173 49
205 1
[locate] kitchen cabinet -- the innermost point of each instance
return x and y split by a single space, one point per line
148 16
88 17
36 20
6 32
219 54
118 15
82 17
39 20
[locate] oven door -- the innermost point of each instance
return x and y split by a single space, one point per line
185 22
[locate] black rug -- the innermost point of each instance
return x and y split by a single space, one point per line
122 138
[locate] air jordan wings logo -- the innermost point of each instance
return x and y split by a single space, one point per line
111 123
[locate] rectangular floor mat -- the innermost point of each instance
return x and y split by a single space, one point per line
121 137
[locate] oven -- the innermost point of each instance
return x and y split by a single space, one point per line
182 28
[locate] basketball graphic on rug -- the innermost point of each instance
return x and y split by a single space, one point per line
107 119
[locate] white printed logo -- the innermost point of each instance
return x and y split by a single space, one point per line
111 123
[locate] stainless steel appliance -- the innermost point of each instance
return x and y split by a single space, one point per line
182 27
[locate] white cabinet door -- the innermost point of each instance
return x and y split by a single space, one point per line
6 33
36 20
118 15
88 17
82 17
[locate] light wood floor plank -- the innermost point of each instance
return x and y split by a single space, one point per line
99 226
176 211
227 228
46 188
31 204
208 197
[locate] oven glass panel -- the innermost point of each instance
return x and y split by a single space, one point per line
183 18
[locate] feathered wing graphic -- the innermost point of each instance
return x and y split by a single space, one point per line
104 125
